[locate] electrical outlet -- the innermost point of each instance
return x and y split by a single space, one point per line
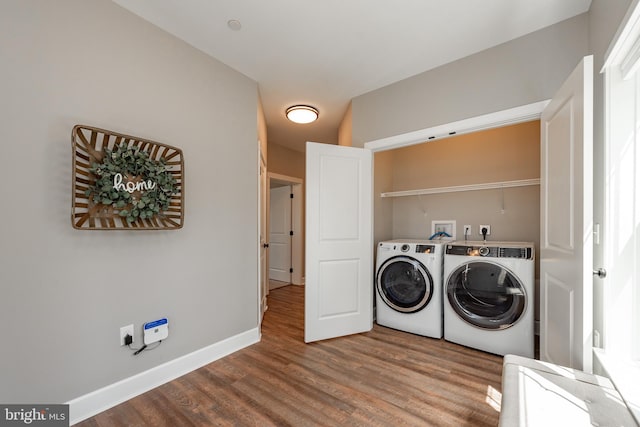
124 331
488 227
467 231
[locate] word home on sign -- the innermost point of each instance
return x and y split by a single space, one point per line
131 186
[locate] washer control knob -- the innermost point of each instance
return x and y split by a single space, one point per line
404 248
484 251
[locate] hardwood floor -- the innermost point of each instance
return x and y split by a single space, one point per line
381 378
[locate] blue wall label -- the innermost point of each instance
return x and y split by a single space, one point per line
156 323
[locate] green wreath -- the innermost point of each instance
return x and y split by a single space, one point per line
154 187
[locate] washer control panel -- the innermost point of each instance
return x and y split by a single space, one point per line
419 249
425 249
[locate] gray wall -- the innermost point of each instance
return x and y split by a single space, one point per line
65 293
285 161
522 71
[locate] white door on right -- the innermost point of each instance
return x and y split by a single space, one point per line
566 229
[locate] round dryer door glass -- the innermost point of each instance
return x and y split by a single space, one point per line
404 284
486 295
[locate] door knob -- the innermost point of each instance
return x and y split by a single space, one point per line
265 245
601 273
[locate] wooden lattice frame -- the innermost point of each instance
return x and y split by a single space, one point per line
88 144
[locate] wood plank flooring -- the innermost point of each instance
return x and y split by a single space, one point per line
381 378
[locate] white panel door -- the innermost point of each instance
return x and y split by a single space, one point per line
280 234
264 288
566 229
339 248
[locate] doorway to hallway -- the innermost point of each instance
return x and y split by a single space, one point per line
286 231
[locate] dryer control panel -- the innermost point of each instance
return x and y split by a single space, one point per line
490 251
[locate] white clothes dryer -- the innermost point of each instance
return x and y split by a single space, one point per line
409 286
488 296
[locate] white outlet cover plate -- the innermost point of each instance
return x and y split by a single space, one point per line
124 331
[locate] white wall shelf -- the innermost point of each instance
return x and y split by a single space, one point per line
459 188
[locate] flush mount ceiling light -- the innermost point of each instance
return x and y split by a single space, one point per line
302 114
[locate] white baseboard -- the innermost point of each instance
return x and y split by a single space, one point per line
107 397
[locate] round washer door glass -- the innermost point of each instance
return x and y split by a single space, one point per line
486 295
404 284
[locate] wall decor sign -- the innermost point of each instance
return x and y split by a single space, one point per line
122 182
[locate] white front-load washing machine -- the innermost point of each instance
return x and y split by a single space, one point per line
488 296
409 286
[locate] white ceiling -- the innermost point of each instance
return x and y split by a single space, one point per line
326 52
